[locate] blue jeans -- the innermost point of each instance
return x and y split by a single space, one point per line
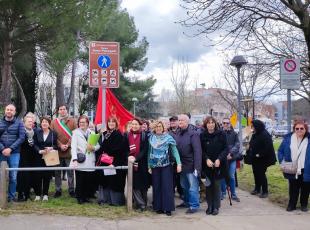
13 162
232 182
190 186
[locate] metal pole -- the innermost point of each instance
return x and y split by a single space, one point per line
134 109
3 184
253 116
129 186
66 168
289 110
103 106
239 109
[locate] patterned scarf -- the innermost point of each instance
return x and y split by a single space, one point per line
29 134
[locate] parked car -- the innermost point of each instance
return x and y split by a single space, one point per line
280 131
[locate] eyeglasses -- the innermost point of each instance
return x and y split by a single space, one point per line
225 123
301 128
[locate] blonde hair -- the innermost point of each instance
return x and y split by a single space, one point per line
30 115
156 123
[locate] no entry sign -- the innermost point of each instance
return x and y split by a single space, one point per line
104 64
290 73
290 65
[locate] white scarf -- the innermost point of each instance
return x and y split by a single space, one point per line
300 149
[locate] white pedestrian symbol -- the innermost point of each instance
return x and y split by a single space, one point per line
104 62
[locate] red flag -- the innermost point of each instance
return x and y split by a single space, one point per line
113 108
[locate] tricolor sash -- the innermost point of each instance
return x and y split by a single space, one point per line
64 128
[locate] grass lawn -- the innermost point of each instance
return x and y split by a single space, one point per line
68 206
277 185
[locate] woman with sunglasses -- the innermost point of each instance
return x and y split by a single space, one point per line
295 147
262 153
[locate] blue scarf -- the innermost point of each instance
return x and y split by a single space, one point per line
159 156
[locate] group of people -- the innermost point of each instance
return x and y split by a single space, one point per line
164 156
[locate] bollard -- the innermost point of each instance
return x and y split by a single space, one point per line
129 186
3 184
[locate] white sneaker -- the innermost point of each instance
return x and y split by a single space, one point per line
45 198
38 198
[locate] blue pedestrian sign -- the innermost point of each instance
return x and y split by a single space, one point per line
104 61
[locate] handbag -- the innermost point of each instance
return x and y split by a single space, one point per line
290 167
51 158
106 159
81 157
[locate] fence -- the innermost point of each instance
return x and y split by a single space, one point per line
5 169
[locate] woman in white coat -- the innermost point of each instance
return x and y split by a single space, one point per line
83 156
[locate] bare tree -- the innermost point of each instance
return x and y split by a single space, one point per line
180 81
275 28
257 81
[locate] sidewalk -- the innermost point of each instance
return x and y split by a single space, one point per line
252 213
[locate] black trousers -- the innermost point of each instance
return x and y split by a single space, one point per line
25 180
42 183
297 187
163 194
260 179
213 195
84 184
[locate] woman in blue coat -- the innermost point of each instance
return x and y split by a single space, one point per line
295 147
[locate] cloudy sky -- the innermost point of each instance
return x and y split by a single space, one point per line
155 19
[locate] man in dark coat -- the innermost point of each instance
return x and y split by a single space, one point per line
189 147
12 135
263 155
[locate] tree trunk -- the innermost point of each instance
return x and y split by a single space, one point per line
6 73
23 98
72 86
60 96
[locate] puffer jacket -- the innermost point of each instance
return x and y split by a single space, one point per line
12 135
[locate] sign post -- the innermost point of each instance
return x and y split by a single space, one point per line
289 79
104 68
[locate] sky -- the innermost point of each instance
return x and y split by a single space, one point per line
168 43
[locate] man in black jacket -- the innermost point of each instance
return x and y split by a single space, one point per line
189 147
233 145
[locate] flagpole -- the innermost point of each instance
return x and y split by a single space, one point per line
103 106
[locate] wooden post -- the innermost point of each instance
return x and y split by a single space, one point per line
129 186
3 184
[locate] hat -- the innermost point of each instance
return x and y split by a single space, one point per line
173 118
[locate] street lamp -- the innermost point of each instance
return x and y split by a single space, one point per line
135 100
238 61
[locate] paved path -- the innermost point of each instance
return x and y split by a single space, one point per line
252 213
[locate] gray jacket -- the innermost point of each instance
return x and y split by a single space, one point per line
233 143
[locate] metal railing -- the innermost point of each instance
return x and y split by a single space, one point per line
5 169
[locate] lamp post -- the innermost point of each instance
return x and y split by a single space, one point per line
238 61
134 105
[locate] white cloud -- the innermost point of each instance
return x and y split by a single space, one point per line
155 19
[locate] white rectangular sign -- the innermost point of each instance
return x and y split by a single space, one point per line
289 73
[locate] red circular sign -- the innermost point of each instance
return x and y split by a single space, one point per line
290 65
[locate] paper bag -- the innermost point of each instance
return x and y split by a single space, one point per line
51 158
